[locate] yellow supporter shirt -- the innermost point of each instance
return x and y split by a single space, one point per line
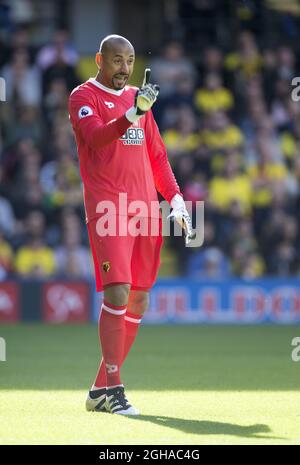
175 141
6 254
213 100
262 197
249 66
288 145
223 191
28 259
228 138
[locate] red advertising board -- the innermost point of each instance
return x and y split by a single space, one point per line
65 302
9 302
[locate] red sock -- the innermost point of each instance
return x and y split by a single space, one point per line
132 323
112 338
101 381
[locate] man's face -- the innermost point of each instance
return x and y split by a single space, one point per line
116 66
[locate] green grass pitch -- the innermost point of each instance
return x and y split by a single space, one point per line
193 384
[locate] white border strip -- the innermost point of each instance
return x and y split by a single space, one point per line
106 89
114 312
116 385
132 320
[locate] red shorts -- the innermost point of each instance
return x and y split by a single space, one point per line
126 259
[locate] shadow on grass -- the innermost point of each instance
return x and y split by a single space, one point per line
203 428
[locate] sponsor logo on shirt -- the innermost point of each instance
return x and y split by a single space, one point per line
133 136
84 112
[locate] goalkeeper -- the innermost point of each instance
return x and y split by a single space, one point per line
121 153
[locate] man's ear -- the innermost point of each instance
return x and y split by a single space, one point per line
98 59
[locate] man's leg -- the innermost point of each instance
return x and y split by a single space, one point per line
138 302
112 332
112 260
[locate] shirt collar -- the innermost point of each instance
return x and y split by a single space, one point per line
106 89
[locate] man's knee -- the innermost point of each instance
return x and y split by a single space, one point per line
117 294
138 302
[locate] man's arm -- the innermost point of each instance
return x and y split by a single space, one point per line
164 178
86 120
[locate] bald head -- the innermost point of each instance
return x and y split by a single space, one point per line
115 61
113 42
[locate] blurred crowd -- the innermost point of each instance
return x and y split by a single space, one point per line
42 230
232 132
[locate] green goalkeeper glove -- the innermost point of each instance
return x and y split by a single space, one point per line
144 98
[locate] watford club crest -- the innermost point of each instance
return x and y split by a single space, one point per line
106 266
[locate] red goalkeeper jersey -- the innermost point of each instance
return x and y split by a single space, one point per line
116 156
